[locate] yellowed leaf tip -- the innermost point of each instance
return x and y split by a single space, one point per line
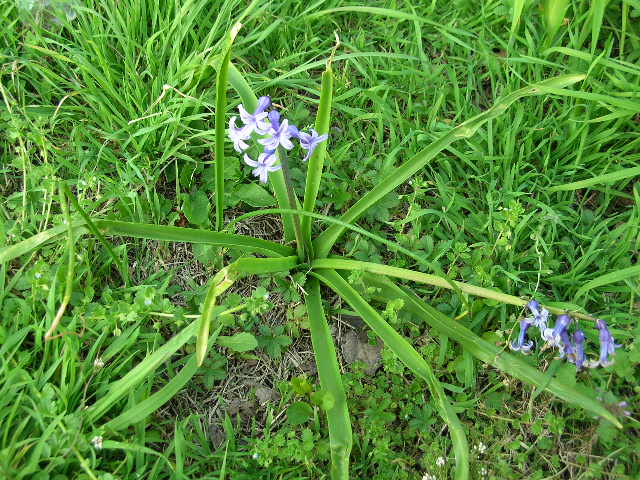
234 31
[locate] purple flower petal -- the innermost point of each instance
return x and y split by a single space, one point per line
578 349
522 345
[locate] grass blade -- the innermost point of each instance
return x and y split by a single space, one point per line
140 372
122 268
325 241
411 358
152 403
221 105
71 259
606 178
340 437
597 17
490 353
518 8
617 276
554 12
316 162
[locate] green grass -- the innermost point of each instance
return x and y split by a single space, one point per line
541 201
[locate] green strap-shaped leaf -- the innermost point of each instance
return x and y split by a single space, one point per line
220 124
316 162
276 179
340 439
151 232
488 352
223 280
192 235
435 280
325 241
410 357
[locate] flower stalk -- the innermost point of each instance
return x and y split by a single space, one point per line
303 248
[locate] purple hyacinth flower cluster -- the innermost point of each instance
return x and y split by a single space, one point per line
570 346
275 132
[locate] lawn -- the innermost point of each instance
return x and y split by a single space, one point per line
163 317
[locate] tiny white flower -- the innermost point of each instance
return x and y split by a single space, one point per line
38 275
428 476
255 456
481 447
440 461
98 363
97 442
147 301
483 472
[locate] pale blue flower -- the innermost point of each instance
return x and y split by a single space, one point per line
566 348
255 122
540 315
607 345
263 166
238 136
279 133
522 344
578 349
623 406
309 142
553 335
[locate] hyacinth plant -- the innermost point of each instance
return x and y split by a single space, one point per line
262 138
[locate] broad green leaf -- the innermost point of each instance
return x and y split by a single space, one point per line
254 195
488 352
340 436
325 241
299 413
189 235
411 358
196 208
336 263
240 342
223 280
